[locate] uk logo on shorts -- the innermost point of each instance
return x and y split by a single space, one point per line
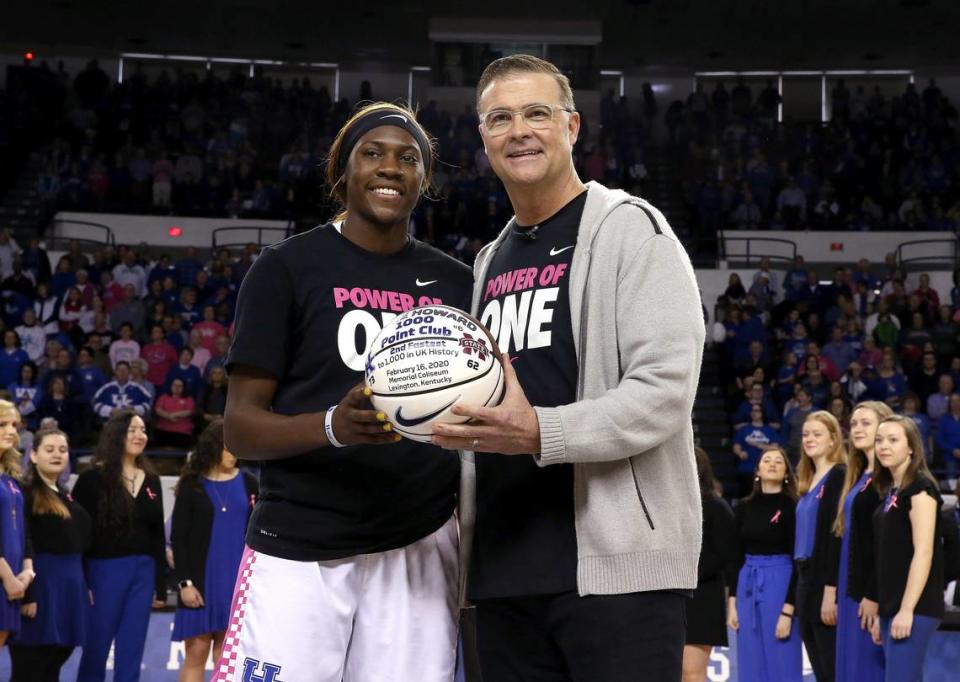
252 673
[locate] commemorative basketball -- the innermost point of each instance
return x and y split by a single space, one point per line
426 361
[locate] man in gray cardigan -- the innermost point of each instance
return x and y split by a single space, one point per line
580 511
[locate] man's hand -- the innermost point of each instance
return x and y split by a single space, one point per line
510 428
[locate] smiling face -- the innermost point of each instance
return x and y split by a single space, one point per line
383 177
136 436
816 439
893 448
9 419
863 429
51 456
523 157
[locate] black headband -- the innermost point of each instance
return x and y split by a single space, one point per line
375 119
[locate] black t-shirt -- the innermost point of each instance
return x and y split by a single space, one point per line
893 535
307 312
765 525
525 541
52 534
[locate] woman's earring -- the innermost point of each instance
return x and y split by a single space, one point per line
757 477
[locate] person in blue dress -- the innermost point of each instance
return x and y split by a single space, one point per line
16 563
213 504
762 579
56 606
858 658
908 541
126 562
820 476
27 394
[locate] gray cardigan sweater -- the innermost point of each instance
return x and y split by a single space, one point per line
639 333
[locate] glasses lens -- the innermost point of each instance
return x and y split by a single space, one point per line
538 115
498 121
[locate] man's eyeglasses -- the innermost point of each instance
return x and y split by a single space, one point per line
537 116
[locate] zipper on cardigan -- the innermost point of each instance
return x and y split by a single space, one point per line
636 484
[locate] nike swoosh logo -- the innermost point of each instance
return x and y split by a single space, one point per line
401 117
424 284
554 250
420 420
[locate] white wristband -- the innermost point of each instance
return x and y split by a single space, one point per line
328 427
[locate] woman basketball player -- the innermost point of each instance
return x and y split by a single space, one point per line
350 571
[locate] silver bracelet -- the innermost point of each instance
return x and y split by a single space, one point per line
328 427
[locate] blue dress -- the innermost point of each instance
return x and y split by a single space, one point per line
223 560
858 658
12 546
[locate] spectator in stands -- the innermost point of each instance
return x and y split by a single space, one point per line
129 311
188 267
838 351
63 277
32 336
57 404
750 440
911 408
912 340
110 291
792 428
201 356
827 368
891 383
125 348
209 329
101 327
187 371
792 204
162 172
212 401
815 383
8 251
160 356
756 395
944 334
19 281
925 380
772 277
747 215
138 376
947 439
120 394
938 404
25 393
72 310
90 376
47 308
871 355
11 358
928 294
129 272
854 385
187 308
174 417
36 261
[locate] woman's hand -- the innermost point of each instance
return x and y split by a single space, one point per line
191 597
29 610
784 623
14 588
828 607
875 632
733 620
867 613
354 420
902 624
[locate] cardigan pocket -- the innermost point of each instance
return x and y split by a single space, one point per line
643 504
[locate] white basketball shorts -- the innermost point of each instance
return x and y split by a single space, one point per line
385 617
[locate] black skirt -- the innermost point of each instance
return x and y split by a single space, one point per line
707 614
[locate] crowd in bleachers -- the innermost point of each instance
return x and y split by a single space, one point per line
792 344
241 146
117 328
882 163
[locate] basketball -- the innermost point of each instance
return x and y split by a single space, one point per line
426 361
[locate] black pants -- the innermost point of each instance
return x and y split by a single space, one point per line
819 639
821 643
37 663
568 638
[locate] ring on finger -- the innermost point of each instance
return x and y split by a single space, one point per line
476 442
